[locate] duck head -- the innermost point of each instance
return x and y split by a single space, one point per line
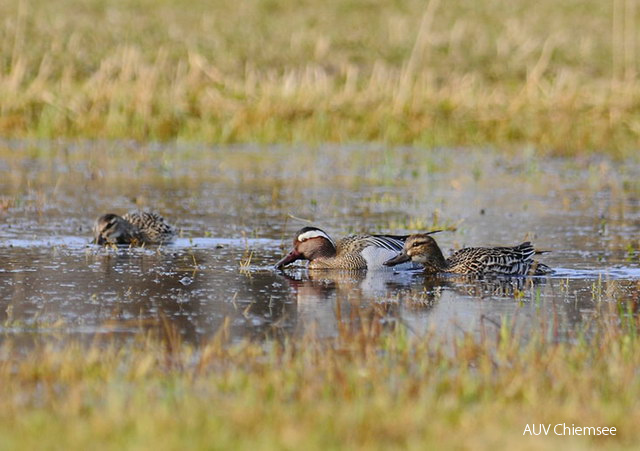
309 243
420 248
111 229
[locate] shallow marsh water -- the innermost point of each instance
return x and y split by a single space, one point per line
238 208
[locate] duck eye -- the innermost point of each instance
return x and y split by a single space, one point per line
416 244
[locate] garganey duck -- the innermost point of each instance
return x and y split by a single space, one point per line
479 261
354 252
135 228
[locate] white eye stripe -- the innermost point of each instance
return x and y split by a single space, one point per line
314 234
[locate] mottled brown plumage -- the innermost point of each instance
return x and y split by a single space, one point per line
506 261
353 252
134 228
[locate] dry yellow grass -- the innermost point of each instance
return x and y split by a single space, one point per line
365 388
561 76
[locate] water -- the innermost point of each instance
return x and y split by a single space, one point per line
238 209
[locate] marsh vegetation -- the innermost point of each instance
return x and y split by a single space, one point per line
365 387
561 76
202 342
241 122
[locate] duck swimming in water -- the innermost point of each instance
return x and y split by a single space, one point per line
504 261
135 228
352 253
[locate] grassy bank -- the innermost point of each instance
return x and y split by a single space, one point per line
365 388
557 75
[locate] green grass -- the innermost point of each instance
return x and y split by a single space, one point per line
368 387
561 76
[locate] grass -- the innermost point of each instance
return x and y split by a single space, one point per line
559 76
550 77
369 387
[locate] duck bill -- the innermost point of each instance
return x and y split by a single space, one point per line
289 258
400 258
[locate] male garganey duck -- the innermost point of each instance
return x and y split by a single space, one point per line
135 228
479 261
352 253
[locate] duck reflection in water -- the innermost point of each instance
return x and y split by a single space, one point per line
331 300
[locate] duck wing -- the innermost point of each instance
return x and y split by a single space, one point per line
508 261
153 227
391 242
356 243
374 250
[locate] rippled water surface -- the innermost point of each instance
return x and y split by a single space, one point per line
238 209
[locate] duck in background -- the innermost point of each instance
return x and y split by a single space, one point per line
136 228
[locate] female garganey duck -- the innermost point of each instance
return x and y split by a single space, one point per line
135 228
352 253
479 261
